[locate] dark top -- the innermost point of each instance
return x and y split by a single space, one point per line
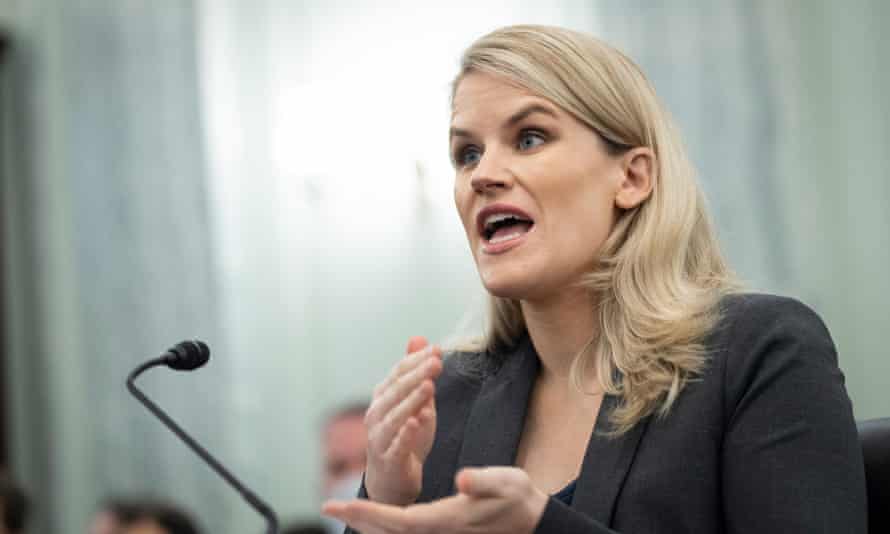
763 442
567 493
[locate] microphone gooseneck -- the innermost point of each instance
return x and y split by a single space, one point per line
187 356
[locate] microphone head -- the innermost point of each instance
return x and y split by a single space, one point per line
187 355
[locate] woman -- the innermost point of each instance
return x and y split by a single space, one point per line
626 384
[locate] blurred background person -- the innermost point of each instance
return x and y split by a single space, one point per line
345 441
158 518
14 507
112 514
141 515
304 527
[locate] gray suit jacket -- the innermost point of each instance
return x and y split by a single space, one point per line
763 442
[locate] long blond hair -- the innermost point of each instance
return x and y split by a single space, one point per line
660 272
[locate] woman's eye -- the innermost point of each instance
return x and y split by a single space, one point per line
530 139
468 156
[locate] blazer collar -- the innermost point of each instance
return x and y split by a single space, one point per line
495 426
606 464
498 414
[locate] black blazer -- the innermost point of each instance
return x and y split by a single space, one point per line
763 442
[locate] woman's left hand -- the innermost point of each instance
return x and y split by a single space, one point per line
489 499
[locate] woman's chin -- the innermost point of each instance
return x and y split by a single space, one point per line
502 287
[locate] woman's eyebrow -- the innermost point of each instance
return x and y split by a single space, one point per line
529 110
516 117
458 132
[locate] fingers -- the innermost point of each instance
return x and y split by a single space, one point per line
491 481
406 439
502 494
406 397
428 413
396 391
407 394
415 344
401 422
406 365
372 517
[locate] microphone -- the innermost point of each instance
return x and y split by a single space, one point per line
188 356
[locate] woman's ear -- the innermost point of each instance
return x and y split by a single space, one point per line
638 177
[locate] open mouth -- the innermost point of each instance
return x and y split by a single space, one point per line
499 227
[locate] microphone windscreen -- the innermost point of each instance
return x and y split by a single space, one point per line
187 355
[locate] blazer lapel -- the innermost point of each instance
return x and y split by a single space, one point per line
495 423
606 464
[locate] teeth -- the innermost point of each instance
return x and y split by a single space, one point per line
497 217
501 239
493 220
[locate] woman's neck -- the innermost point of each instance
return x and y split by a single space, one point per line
560 327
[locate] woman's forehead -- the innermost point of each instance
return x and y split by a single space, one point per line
485 96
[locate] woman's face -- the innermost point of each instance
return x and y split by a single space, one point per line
535 188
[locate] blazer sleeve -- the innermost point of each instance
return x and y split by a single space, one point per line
791 457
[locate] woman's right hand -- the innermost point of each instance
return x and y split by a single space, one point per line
401 423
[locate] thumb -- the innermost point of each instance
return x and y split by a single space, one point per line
416 343
488 481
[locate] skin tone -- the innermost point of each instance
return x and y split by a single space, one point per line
345 441
510 146
401 422
104 523
145 527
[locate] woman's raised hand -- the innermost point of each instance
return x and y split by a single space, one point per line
401 423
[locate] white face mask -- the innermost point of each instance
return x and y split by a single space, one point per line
343 490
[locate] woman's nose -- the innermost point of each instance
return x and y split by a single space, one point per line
490 175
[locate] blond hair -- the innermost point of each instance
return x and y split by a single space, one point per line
660 273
